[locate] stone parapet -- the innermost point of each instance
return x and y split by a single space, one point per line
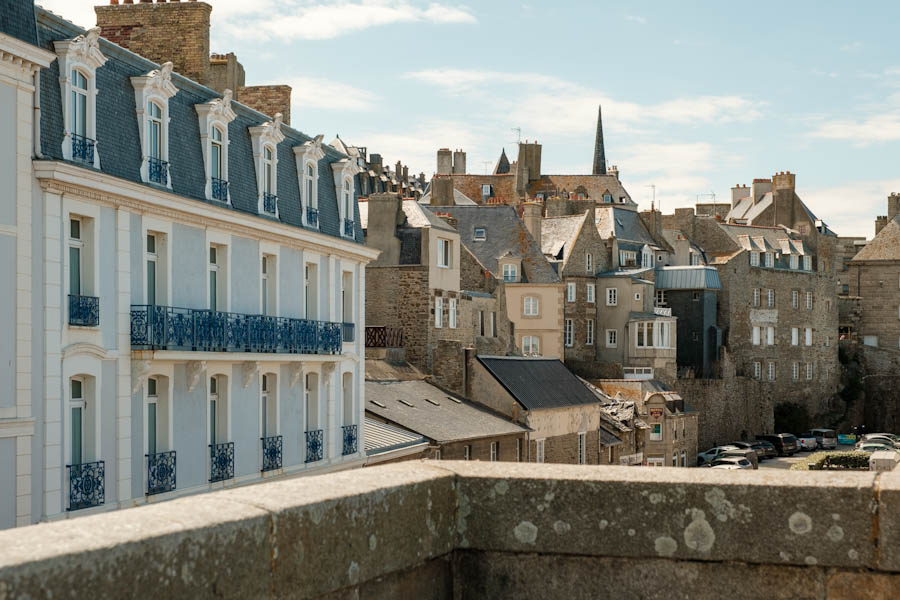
475 530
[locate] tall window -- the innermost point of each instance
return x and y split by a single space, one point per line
151 268
795 261
660 297
757 370
795 371
809 335
311 394
76 406
152 402
795 299
539 451
444 253
438 312
589 336
582 448
265 285
311 290
809 371
510 273
154 129
268 406
754 259
493 324
770 336
656 432
795 336
809 300
348 203
569 333
770 297
451 316
215 148
612 338
612 296
591 293
76 247
771 371
755 296
213 278
807 263
467 452
570 292
268 171
756 331
495 451
79 103
213 410
589 263
531 345
770 259
310 182
532 306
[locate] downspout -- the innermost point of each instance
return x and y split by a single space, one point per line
36 135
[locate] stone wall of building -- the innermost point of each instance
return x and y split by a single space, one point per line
398 296
480 449
878 283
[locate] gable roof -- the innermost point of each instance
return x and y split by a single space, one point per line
382 437
432 412
592 185
416 217
538 383
502 164
624 223
459 199
560 233
885 245
505 236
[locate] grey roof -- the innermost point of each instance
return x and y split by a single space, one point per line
559 233
416 216
630 273
506 236
624 223
885 245
444 419
459 199
607 438
502 164
538 383
17 20
381 437
688 278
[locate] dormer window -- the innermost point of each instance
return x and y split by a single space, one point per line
152 93
308 156
510 273
344 171
607 198
480 234
265 139
214 119
79 59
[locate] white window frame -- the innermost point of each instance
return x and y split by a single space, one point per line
495 452
795 262
569 333
444 253
809 300
268 390
451 313
809 371
539 451
531 306
795 336
480 234
807 263
156 87
795 371
582 447
467 452
795 299
808 337
81 54
438 312
754 259
757 337
591 295
510 273
756 296
344 172
770 298
612 338
215 114
757 370
772 372
661 298
307 156
531 345
263 137
612 296
770 335
571 292
770 259
589 332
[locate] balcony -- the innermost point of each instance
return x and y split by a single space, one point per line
348 332
312 216
221 462
86 485
82 149
270 202
348 228
160 472
384 337
351 439
314 445
169 328
84 311
271 453
158 170
219 189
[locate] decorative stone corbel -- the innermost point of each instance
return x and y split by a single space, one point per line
296 373
250 370
194 369
140 369
328 369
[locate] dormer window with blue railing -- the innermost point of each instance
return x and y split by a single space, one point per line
152 93
307 156
79 59
265 139
344 172
214 118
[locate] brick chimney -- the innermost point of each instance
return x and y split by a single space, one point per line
161 31
442 190
267 99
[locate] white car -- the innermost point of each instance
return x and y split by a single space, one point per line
807 441
731 462
714 453
874 447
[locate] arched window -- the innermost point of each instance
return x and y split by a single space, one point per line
348 199
79 103
215 161
269 172
154 129
310 180
77 408
349 416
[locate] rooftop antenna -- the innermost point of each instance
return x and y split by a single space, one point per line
486 164
518 131
711 195
653 202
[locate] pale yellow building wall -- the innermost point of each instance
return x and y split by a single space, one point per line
547 325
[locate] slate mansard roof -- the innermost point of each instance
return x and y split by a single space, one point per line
118 138
17 20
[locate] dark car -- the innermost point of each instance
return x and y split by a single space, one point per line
785 443
764 449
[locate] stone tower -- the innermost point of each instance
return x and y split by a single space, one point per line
599 150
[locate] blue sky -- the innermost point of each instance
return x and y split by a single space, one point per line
697 96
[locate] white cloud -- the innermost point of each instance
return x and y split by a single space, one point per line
312 92
80 12
851 208
883 127
636 19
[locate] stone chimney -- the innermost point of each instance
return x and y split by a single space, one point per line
161 31
784 181
267 99
385 214
614 171
760 188
398 171
459 163
533 218
682 247
442 190
880 222
738 193
444 161
530 159
406 173
893 206
375 163
225 73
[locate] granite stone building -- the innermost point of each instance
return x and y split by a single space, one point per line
199 274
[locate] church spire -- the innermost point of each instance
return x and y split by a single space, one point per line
599 150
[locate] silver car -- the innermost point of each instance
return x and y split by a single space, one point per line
731 462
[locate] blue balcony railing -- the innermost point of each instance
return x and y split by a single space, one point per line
348 331
160 472
169 328
86 485
351 439
270 201
82 149
84 311
314 445
219 189
221 462
271 453
348 227
158 171
312 216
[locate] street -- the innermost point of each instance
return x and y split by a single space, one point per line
786 462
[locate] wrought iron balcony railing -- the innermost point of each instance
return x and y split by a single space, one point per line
384 337
169 328
82 149
84 311
270 201
160 472
86 485
271 453
348 227
314 445
219 189
221 461
312 216
349 332
158 170
351 439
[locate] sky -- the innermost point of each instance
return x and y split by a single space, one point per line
697 96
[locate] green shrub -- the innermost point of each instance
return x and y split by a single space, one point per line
826 461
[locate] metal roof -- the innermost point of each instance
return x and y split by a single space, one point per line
538 383
381 437
688 278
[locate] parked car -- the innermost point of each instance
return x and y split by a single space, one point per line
881 436
731 462
764 449
884 441
825 438
785 443
872 447
807 441
748 453
713 453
